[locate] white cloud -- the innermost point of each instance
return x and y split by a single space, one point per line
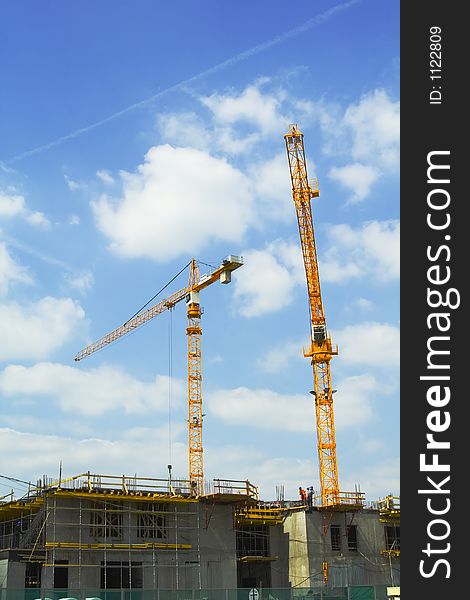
372 446
267 472
374 123
357 178
176 189
262 408
215 359
15 206
82 281
72 185
364 304
185 129
288 472
162 194
377 480
233 461
368 132
371 250
38 220
189 130
105 176
267 409
290 255
11 206
74 220
272 186
277 359
35 330
92 392
267 280
116 456
353 403
227 140
369 343
366 343
264 286
236 123
22 421
10 271
251 107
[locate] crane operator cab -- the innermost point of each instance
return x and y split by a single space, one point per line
319 333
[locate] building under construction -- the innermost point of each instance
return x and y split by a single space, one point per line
96 532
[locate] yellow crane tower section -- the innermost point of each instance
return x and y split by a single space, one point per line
193 332
321 349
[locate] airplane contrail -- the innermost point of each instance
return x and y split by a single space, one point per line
314 21
14 243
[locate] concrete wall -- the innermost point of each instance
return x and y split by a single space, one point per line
3 573
12 574
279 547
295 527
364 566
218 546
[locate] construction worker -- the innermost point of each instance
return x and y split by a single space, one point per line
303 495
310 497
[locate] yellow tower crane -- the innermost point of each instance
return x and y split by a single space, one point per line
321 349
193 332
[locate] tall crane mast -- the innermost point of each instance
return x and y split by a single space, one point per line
321 349
193 332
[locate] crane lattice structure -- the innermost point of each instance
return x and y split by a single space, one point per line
321 349
193 332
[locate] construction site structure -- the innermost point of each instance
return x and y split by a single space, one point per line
389 513
83 535
191 293
111 532
321 349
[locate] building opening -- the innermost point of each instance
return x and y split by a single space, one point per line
61 575
117 574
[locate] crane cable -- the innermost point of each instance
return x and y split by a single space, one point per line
159 292
170 378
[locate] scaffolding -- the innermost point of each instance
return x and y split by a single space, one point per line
261 513
389 509
111 532
389 513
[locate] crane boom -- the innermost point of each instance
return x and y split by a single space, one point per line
228 265
321 349
132 324
191 294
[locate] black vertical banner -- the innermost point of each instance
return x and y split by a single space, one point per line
435 260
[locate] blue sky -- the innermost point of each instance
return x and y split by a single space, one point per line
137 136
